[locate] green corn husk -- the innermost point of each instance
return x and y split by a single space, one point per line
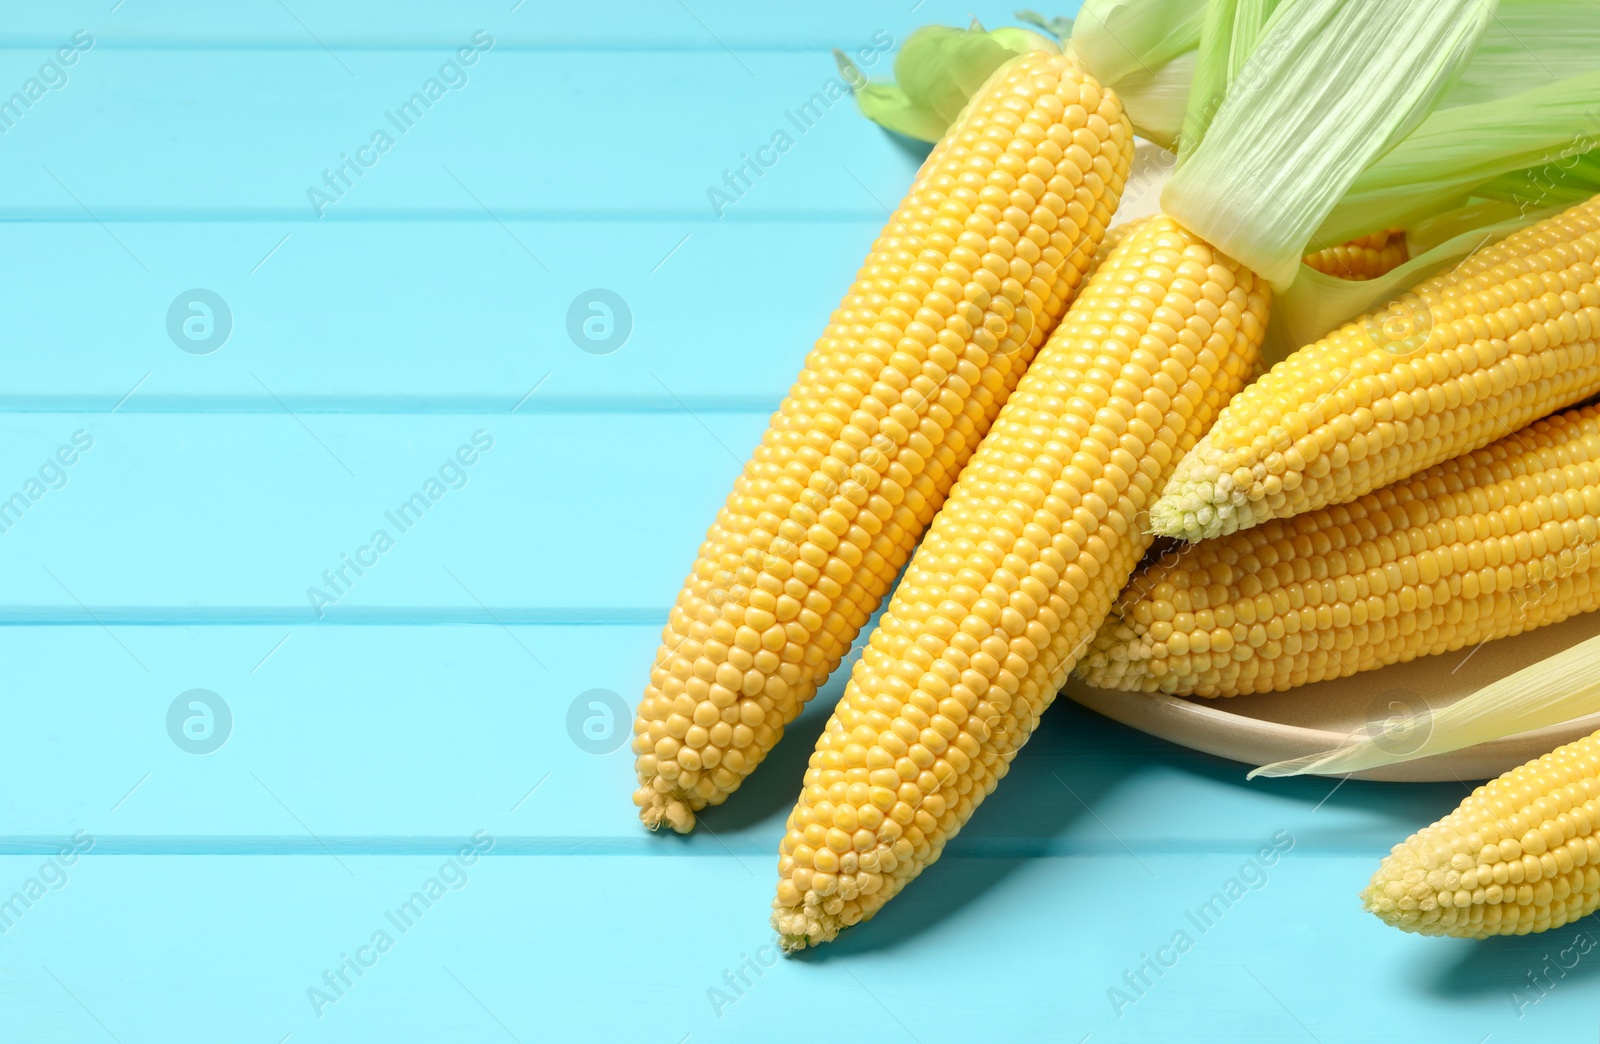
1563 181
1502 130
1530 43
1291 137
1171 61
1505 148
1155 100
1232 30
1060 28
1146 51
936 71
1456 150
1118 38
1316 302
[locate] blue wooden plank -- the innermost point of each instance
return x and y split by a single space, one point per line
356 737
706 25
519 134
433 316
534 517
617 949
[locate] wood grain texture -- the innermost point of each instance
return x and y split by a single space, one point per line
459 684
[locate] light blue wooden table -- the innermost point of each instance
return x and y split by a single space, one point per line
226 371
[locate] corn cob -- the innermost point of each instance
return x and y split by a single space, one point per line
1521 855
964 284
1365 258
1016 573
1508 336
1493 543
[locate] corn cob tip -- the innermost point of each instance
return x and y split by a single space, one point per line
1116 658
1201 502
1521 854
1398 893
1390 576
801 926
1503 338
656 808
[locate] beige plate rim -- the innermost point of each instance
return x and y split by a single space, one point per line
1253 741
1322 716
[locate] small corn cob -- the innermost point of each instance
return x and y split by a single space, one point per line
964 284
1493 543
1365 258
1508 336
1016 573
1521 855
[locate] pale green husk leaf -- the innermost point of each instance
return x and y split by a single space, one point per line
937 70
1292 136
1557 689
1545 132
1155 100
1560 182
1230 34
1121 38
1145 50
1150 52
1530 43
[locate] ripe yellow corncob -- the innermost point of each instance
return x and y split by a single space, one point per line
1365 258
1511 334
1521 855
1493 543
965 283
1017 572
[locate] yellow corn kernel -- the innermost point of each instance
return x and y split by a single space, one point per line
1493 543
1521 855
1365 258
1018 569
964 284
1510 335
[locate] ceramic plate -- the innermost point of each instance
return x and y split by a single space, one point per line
1273 726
